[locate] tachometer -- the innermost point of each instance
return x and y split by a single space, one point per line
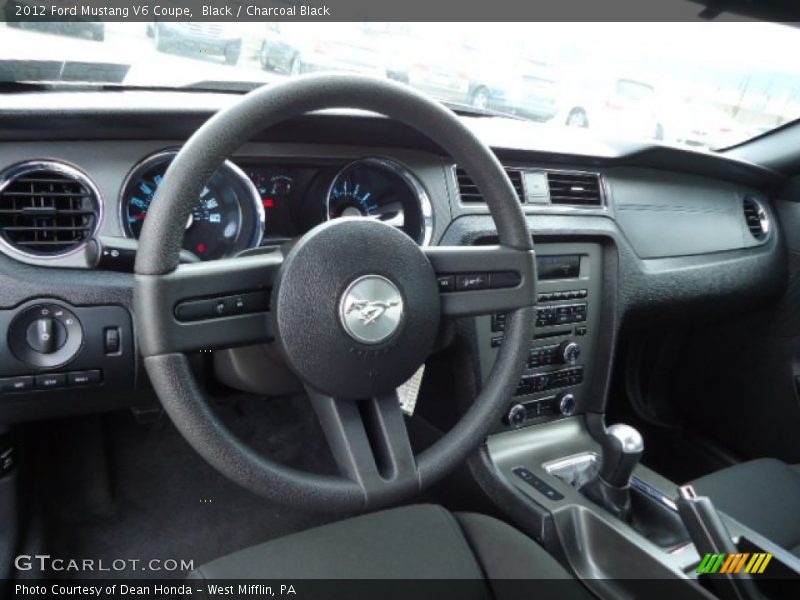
377 188
227 218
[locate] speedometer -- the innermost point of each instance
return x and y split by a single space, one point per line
381 189
227 218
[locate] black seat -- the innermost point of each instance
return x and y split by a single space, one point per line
412 542
762 494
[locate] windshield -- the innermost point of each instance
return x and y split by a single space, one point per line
704 85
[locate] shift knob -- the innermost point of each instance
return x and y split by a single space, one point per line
622 448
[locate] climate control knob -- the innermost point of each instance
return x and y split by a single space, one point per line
568 352
566 404
516 415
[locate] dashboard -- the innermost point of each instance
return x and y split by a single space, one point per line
621 232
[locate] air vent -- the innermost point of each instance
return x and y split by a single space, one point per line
47 209
469 191
578 189
756 217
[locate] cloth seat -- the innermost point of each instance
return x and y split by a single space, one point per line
763 494
421 542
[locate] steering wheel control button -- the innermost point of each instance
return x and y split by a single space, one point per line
371 309
539 485
16 384
472 281
447 283
194 310
45 335
214 308
51 380
505 279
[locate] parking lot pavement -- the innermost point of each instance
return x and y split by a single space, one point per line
128 44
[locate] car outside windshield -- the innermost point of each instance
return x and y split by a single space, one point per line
703 85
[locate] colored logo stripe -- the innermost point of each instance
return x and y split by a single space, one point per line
734 563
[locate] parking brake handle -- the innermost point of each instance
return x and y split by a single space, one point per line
710 536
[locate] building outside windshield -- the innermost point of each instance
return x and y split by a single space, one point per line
692 84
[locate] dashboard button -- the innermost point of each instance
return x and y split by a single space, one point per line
84 377
46 335
16 384
51 380
111 340
537 483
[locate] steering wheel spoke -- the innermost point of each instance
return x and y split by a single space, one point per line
369 441
475 280
217 304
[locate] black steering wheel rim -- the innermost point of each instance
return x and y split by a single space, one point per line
157 266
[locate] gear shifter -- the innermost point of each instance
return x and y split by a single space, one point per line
622 448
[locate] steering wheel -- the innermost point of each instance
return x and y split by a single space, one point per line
355 306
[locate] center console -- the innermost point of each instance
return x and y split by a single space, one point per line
562 350
554 464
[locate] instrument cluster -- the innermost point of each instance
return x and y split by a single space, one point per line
255 202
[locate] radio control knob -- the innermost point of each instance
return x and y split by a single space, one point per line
569 352
566 404
517 415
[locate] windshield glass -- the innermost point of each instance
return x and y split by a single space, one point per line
704 85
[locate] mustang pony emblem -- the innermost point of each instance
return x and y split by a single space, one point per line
369 311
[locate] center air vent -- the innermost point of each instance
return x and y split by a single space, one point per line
756 217
47 208
469 191
578 189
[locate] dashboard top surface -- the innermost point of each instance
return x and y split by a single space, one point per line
137 115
